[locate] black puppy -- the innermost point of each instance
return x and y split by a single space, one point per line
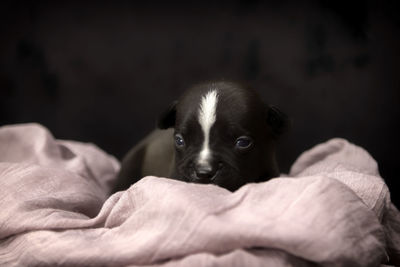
220 133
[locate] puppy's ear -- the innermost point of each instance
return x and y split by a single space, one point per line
277 120
167 118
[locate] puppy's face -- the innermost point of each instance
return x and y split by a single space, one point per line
224 135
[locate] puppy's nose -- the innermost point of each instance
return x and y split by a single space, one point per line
205 173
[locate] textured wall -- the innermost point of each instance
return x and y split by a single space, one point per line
103 72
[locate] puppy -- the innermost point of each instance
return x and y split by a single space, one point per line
217 132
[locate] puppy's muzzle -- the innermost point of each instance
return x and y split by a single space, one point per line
206 173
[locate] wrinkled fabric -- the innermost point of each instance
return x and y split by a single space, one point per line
333 209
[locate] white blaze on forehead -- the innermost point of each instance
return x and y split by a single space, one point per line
207 117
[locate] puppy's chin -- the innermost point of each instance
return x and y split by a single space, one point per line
228 181
230 184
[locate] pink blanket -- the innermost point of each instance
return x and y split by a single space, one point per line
333 209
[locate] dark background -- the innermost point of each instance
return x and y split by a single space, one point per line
101 72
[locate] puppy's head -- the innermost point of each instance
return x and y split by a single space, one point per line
224 134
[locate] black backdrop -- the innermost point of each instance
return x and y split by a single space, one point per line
101 72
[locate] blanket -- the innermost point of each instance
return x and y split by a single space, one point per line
332 209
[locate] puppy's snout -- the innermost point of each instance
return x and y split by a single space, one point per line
206 172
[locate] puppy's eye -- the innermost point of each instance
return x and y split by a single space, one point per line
179 142
243 142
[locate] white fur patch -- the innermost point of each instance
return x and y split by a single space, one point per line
207 117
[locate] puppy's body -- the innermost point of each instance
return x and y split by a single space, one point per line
220 133
154 155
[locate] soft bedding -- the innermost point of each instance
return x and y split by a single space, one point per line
332 209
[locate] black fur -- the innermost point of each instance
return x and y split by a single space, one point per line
240 112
